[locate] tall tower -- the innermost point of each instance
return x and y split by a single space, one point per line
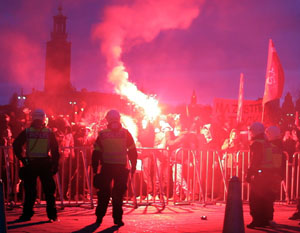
58 57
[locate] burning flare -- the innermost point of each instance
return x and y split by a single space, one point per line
129 124
139 21
148 103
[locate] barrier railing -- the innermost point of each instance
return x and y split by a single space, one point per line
76 181
184 176
181 176
151 180
292 177
9 174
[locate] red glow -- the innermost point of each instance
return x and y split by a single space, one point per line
25 57
119 77
142 21
129 124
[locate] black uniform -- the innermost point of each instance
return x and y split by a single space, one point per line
264 176
113 168
43 167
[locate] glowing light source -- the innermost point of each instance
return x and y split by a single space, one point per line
22 97
129 124
120 26
148 103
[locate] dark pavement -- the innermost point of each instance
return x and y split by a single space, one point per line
179 218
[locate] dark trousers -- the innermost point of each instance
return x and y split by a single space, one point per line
119 175
39 168
262 197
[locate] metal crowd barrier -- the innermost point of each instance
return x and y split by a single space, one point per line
147 187
292 177
184 176
163 177
75 176
74 179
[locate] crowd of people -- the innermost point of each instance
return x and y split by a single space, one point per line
167 134
203 135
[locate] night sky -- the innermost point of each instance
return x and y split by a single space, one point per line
221 39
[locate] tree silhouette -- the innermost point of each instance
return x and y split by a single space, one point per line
288 112
288 105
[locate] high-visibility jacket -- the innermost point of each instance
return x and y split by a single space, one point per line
276 156
113 146
37 142
272 156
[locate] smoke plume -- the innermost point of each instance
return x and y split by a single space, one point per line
142 21
139 21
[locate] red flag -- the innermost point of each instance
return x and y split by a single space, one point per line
274 76
240 100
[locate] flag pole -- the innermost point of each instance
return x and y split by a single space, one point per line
239 114
263 112
270 51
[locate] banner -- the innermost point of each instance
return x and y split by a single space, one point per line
225 110
274 76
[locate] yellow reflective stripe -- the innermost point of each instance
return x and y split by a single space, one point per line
260 140
276 156
113 146
272 157
114 151
41 145
268 157
37 142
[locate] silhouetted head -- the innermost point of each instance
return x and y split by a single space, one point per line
38 118
112 116
273 133
256 129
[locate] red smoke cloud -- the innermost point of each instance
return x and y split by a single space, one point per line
141 21
22 42
24 59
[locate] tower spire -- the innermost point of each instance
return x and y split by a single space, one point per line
58 57
60 9
59 26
